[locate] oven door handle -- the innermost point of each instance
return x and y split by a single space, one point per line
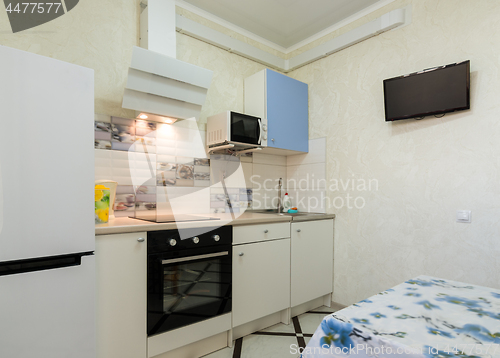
192 258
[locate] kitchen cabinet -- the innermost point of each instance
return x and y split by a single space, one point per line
264 232
284 102
121 265
261 279
311 260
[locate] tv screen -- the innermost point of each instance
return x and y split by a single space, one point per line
429 92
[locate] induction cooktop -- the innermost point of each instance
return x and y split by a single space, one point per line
170 218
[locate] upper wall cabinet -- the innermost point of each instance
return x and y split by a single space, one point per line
284 102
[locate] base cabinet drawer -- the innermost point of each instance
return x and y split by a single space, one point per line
261 279
261 232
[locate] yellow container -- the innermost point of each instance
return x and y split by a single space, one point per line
102 195
112 187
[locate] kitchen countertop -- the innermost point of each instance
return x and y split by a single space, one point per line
122 225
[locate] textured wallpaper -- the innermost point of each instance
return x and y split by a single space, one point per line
100 35
395 187
97 34
226 89
423 171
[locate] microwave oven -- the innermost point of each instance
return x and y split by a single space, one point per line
239 129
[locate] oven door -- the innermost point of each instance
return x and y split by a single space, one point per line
245 129
188 286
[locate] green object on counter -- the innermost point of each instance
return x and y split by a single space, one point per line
101 204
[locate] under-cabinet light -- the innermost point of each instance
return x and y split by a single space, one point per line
155 118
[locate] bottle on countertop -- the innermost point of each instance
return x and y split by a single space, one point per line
287 204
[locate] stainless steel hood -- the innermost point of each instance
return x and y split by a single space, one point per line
157 82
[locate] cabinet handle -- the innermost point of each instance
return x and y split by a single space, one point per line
241 254
266 231
298 230
272 139
141 239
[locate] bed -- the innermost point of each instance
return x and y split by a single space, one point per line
422 317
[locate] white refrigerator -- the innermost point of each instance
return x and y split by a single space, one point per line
47 265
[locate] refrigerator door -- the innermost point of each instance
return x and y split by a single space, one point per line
46 156
49 314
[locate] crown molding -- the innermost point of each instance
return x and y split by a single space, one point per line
386 22
378 5
196 10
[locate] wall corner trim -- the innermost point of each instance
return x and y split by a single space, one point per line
386 22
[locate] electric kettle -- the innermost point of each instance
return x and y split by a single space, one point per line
112 194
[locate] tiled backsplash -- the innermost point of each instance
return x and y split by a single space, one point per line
306 177
148 159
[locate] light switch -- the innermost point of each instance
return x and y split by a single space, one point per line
463 216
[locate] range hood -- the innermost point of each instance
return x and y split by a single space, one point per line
157 82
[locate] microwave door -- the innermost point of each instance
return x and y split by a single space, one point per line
245 129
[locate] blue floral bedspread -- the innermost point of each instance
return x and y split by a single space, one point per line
423 317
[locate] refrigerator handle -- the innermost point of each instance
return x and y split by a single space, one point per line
42 263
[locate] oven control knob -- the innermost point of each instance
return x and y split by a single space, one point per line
264 127
196 239
172 242
264 136
216 237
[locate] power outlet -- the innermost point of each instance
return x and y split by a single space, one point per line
463 216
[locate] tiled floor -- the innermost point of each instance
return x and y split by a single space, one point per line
278 341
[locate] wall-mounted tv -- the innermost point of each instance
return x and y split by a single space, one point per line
433 91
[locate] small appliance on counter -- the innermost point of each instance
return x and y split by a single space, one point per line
111 185
101 195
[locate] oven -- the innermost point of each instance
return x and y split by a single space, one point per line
189 277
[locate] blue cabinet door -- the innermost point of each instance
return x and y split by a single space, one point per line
287 112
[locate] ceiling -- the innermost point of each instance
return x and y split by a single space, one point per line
283 22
